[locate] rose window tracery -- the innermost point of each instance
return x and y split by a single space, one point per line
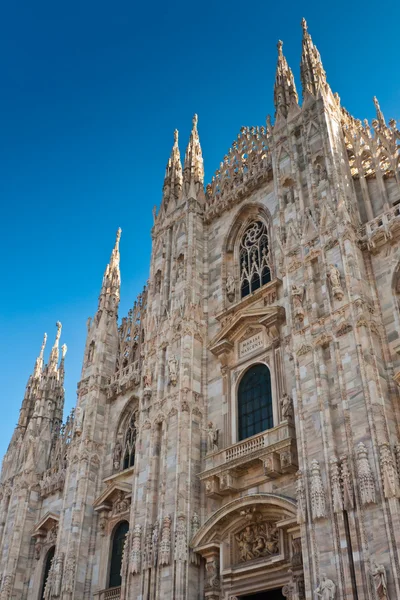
254 258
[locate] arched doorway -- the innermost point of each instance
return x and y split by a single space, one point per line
116 553
47 565
255 402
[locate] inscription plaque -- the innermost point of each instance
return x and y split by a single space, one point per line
252 344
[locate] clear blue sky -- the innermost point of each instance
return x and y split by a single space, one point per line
91 93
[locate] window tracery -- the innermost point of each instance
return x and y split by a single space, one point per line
129 446
254 258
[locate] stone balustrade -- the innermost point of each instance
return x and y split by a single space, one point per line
272 453
109 594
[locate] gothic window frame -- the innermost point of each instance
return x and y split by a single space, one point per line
253 252
124 449
245 216
270 416
46 566
115 529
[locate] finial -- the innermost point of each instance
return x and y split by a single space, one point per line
376 103
176 135
195 120
63 351
43 345
58 334
279 46
304 24
119 231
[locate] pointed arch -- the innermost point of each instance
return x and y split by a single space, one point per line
117 548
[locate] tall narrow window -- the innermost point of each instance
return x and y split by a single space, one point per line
130 443
47 565
255 402
116 554
254 258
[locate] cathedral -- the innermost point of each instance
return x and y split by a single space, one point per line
236 435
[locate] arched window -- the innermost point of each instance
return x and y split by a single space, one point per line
47 566
116 553
255 402
130 443
254 258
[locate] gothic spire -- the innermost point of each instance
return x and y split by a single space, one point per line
62 365
379 113
110 289
39 361
53 360
173 175
193 170
312 73
285 92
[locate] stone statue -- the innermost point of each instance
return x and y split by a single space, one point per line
212 570
78 420
334 278
173 369
379 581
297 298
286 408
117 456
326 589
212 438
230 288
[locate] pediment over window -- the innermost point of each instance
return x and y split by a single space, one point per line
48 524
117 493
269 317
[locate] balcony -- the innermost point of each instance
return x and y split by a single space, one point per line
109 594
377 232
262 457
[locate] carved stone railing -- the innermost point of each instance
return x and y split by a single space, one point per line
109 594
271 453
124 379
383 228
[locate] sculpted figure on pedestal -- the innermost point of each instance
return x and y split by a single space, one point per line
334 278
212 438
379 581
297 298
287 407
173 369
326 589
230 287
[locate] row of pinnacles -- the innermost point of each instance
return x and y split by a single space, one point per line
356 184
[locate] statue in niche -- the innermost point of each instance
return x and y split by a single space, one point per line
230 287
173 369
326 589
297 297
379 581
117 455
212 438
334 278
286 407
78 421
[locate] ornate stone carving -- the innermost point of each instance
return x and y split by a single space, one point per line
165 544
286 403
388 470
121 504
297 293
6 588
173 370
69 572
136 550
297 554
326 589
260 539
291 589
334 279
337 498
317 492
379 582
212 573
195 526
57 575
125 557
79 414
301 499
230 288
154 543
181 547
212 438
366 482
347 486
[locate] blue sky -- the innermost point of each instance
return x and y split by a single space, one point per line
91 94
